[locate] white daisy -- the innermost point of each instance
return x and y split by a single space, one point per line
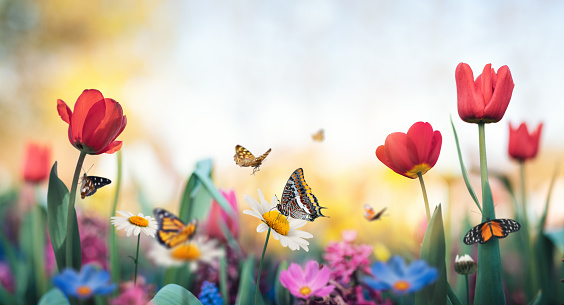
283 228
198 250
135 223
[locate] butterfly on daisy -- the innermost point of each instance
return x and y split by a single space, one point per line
172 231
319 136
297 199
485 231
90 184
370 214
244 158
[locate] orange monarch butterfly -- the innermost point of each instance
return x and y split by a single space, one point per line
172 231
90 184
484 232
297 199
371 215
319 136
244 158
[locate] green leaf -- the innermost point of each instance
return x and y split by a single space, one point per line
53 297
537 299
7 297
433 252
463 168
32 243
282 294
489 288
544 254
452 298
113 245
223 285
247 284
57 213
173 294
557 238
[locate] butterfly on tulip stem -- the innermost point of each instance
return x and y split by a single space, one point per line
90 184
172 231
370 214
244 158
485 231
297 199
319 136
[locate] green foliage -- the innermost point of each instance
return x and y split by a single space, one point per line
247 284
173 294
53 297
282 294
57 212
433 252
463 168
223 280
113 245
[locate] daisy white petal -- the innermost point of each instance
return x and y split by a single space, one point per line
134 224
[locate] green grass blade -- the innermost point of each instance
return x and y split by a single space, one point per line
173 294
544 254
247 284
452 298
537 299
223 285
282 294
463 169
113 246
433 252
53 297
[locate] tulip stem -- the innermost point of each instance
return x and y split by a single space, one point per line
524 218
260 266
71 215
427 211
489 211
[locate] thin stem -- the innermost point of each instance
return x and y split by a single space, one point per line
71 212
525 218
260 266
114 260
427 211
467 290
137 259
484 170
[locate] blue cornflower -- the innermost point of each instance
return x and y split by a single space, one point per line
210 294
85 284
400 278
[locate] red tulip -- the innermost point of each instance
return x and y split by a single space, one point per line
37 163
411 153
486 99
522 144
95 123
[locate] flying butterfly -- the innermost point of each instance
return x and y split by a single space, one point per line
484 232
370 214
244 158
319 136
297 199
90 184
172 231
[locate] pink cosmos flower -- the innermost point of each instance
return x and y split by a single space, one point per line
345 258
218 216
309 282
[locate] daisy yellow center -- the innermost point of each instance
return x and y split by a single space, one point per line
83 291
401 285
139 221
305 291
419 168
188 252
277 222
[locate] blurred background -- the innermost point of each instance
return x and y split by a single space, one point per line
196 78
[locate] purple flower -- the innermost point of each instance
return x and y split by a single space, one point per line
309 282
399 277
7 278
346 258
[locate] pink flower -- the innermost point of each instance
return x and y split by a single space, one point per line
132 294
309 282
523 145
37 162
218 217
7 278
345 259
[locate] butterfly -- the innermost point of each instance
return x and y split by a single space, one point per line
244 158
172 231
297 199
371 215
90 184
484 232
319 136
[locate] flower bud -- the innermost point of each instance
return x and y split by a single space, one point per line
465 265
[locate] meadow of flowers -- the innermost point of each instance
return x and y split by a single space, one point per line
53 252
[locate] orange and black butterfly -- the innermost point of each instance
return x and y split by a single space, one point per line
90 184
244 158
172 231
370 214
319 136
484 232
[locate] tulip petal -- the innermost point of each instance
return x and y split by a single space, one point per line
64 111
91 124
484 83
401 152
81 109
496 107
470 100
111 148
435 148
421 133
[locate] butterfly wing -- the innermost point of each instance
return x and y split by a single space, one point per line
319 136
90 184
371 215
297 199
172 231
475 235
502 227
243 157
484 232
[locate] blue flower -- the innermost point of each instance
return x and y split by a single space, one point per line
210 295
85 284
400 278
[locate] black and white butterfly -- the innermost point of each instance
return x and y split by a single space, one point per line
90 184
297 199
489 229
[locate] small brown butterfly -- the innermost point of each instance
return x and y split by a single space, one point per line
319 136
90 184
371 215
244 158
